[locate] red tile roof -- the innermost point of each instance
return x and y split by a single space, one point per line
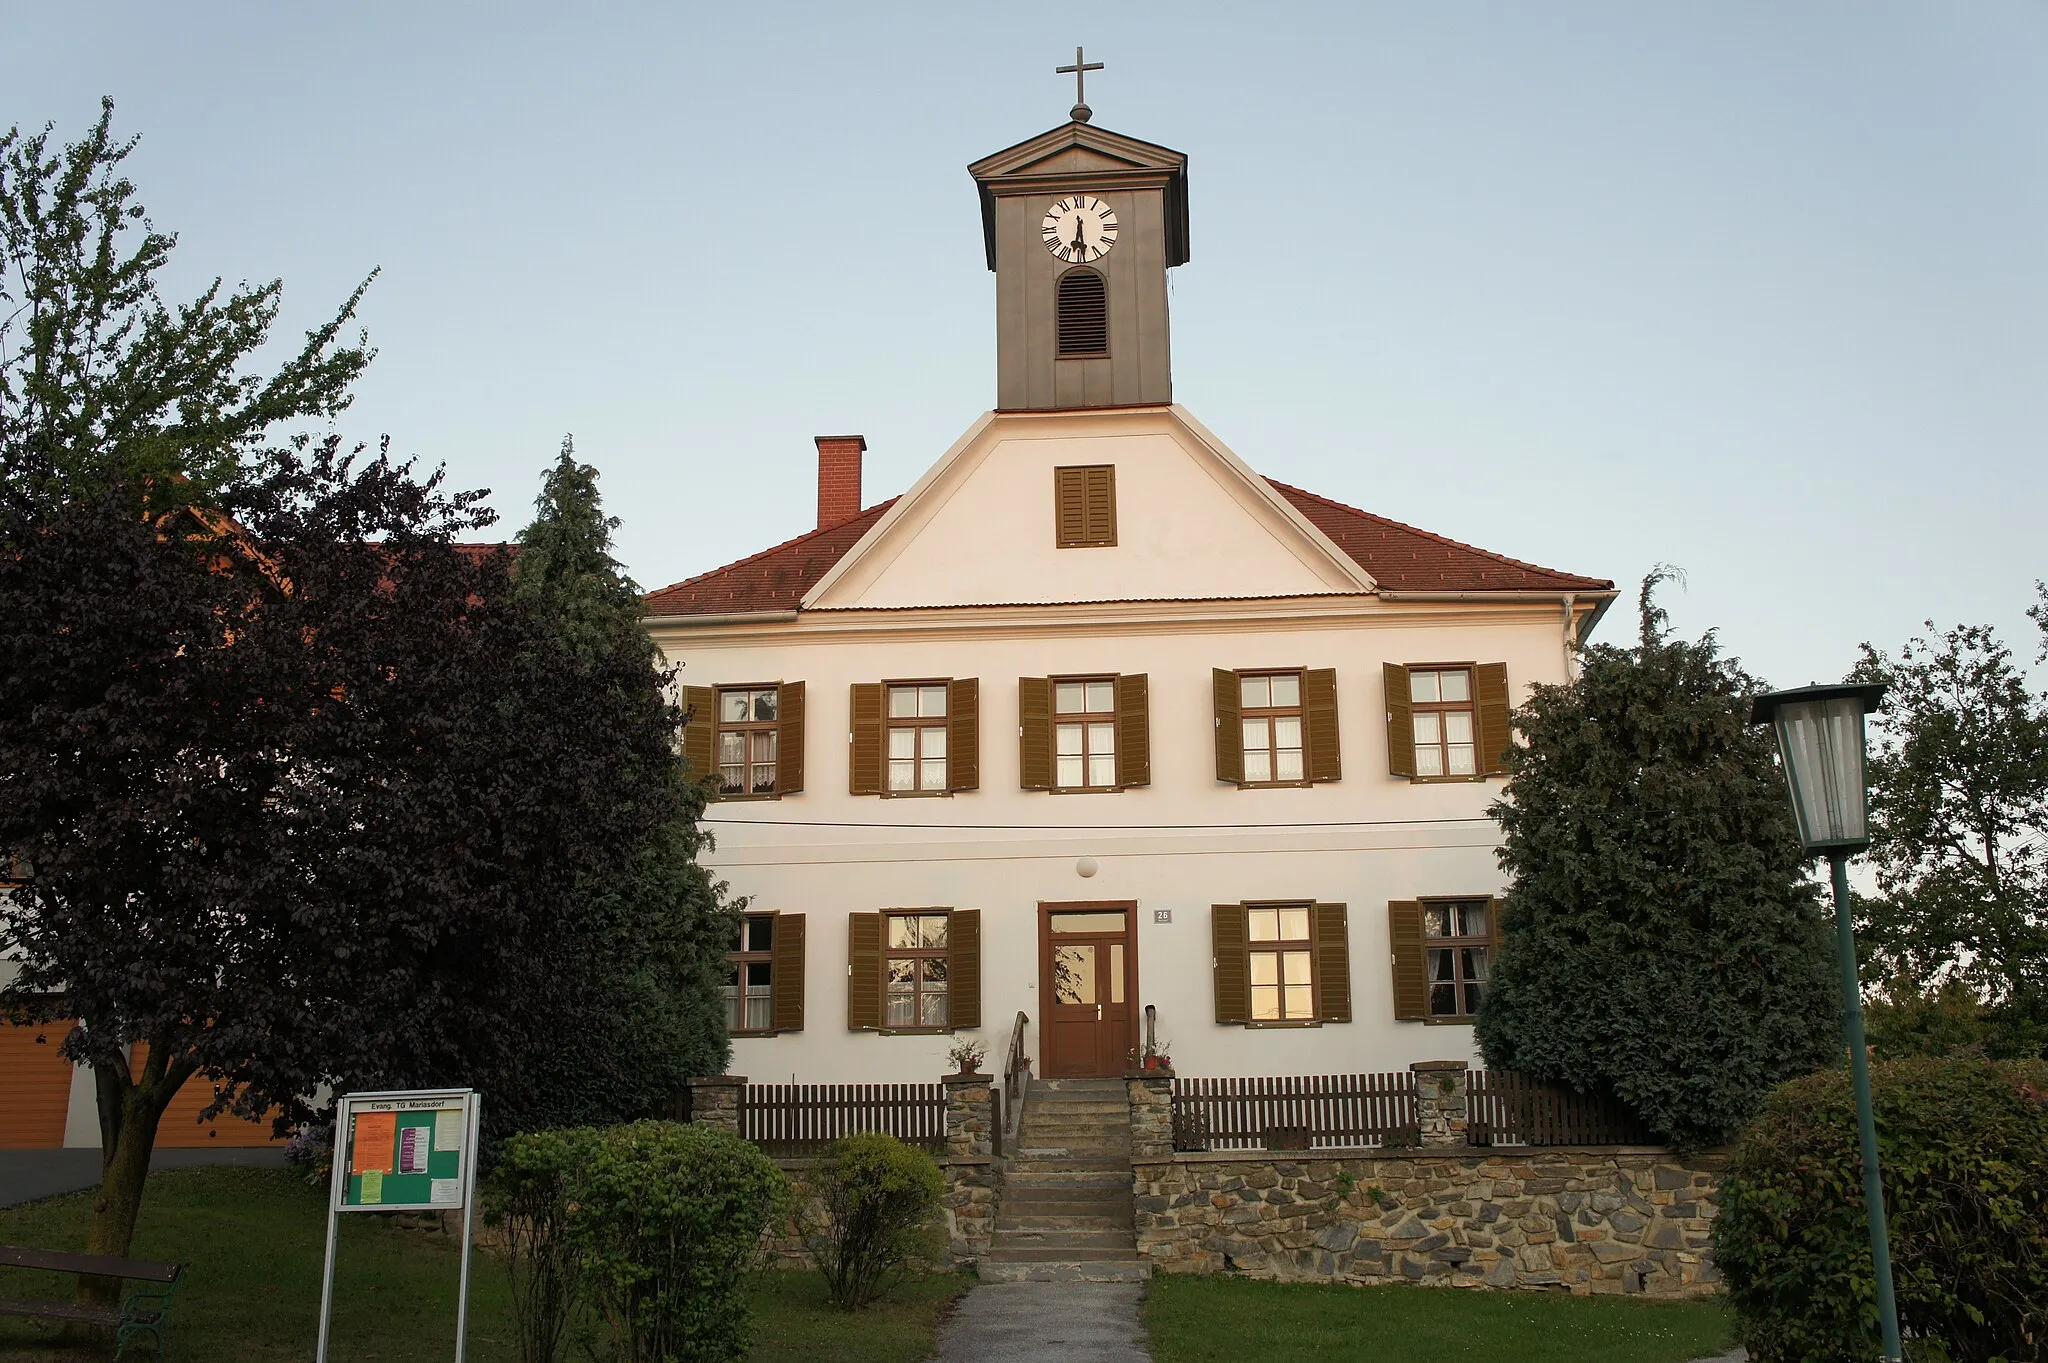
1404 559
1399 557
772 580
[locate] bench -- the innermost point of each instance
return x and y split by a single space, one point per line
142 1313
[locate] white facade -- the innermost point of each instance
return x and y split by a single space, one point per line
1212 568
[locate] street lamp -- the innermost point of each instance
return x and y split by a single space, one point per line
1820 737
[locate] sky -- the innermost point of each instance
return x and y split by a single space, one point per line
1756 290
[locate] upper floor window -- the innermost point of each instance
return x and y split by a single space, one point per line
747 718
1083 323
1084 506
1447 721
914 737
917 737
1445 735
1271 724
1084 734
750 737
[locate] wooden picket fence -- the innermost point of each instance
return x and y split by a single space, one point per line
1295 1112
1505 1108
793 1120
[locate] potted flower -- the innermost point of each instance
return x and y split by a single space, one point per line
966 1056
1154 1056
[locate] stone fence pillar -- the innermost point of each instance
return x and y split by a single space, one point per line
1441 1106
969 1130
715 1101
1151 1095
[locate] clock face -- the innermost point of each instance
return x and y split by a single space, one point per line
1079 229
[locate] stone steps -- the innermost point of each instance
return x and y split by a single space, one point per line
1066 1213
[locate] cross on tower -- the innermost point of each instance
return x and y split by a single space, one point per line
1080 113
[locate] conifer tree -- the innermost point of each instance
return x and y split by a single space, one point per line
639 1004
1661 940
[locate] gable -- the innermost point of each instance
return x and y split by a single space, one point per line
1192 523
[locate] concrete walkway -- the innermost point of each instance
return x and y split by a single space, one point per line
1046 1323
32 1175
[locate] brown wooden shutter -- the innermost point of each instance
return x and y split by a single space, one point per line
963 734
1034 733
1333 963
1070 509
1084 506
1099 510
1400 721
1133 730
700 731
864 739
1226 945
863 971
963 967
786 972
1319 718
1411 983
1229 726
1496 735
789 738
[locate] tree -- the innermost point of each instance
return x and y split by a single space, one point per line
638 1006
1959 839
101 382
1661 940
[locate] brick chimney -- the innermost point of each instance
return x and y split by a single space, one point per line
839 477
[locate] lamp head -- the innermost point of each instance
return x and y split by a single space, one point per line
1820 738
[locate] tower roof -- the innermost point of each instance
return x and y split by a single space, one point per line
1076 156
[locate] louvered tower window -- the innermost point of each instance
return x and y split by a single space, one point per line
1084 314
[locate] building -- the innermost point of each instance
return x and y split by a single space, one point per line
1094 718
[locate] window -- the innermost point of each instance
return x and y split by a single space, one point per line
749 987
1084 506
1457 938
914 971
1270 706
747 737
1084 734
1441 700
1285 964
1083 314
1282 988
917 738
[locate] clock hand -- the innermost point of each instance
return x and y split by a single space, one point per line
1080 246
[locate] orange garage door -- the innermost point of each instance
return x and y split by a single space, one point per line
180 1127
35 1086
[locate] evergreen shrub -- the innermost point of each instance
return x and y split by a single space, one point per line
865 1214
1963 1150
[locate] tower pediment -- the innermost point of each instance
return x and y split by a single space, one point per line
1081 156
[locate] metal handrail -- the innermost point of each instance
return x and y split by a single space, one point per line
1016 1083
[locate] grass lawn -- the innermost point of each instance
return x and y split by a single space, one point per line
254 1239
1211 1320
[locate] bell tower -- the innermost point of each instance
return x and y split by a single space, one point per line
1081 225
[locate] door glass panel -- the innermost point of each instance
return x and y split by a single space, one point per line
1088 922
1116 972
1073 973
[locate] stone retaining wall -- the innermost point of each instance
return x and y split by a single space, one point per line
1583 1220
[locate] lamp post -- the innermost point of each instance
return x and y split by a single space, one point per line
1820 736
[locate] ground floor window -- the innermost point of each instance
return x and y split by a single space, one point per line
1280 955
1457 937
750 979
914 971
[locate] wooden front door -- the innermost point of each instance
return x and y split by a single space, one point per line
1088 978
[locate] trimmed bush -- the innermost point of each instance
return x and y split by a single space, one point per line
669 1218
865 1215
1963 1149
